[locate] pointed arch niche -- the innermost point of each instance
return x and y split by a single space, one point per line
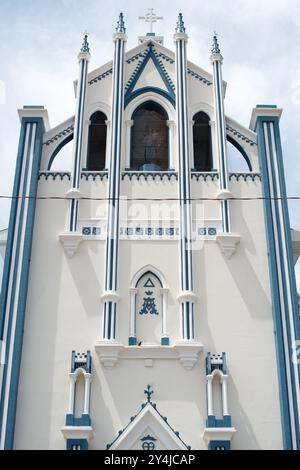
149 138
148 305
202 142
97 142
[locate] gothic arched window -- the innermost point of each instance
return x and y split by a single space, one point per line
97 142
202 142
149 138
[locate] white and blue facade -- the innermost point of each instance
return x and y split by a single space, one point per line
154 269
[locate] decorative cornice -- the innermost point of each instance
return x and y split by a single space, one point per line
102 175
245 176
54 175
239 135
68 130
164 69
100 77
204 176
199 77
137 69
162 175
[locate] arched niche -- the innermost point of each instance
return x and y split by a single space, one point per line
217 396
149 138
202 142
97 141
79 396
148 309
148 303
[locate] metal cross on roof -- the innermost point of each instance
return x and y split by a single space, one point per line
151 18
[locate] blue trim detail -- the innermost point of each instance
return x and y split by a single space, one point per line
147 89
241 150
11 269
83 443
58 149
169 94
165 341
84 420
132 341
213 422
219 445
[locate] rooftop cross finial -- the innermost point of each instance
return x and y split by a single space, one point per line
85 45
149 391
180 24
121 25
151 18
215 45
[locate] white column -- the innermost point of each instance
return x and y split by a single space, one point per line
165 336
224 194
108 143
186 297
191 143
87 389
132 323
71 394
86 142
110 296
171 126
224 395
129 125
210 409
74 192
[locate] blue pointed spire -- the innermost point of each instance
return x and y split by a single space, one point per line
215 46
121 25
85 45
180 28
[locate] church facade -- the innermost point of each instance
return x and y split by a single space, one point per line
148 297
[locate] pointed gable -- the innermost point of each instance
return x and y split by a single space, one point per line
150 74
148 430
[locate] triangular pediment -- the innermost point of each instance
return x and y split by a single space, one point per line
148 430
150 74
150 77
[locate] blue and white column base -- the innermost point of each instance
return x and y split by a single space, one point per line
218 437
78 436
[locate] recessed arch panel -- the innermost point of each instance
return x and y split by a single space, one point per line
149 138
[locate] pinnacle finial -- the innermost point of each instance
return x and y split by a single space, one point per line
85 45
149 391
121 25
180 28
215 46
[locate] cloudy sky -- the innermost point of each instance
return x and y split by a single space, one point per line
40 39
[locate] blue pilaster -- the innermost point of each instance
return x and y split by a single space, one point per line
17 262
265 121
83 58
112 240
186 268
217 60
